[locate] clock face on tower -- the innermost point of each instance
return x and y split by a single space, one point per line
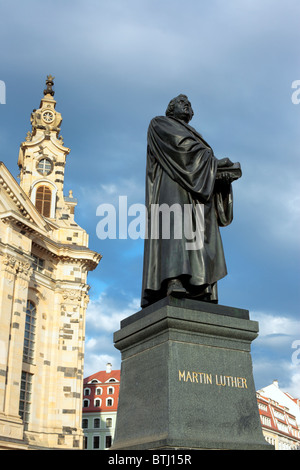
48 116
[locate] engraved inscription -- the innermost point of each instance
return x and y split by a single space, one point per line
212 379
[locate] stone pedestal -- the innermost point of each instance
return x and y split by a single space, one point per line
186 378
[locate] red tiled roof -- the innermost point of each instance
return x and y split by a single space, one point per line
103 376
104 382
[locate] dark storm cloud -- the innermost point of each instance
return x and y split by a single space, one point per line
117 64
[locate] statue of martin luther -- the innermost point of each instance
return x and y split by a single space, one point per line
182 171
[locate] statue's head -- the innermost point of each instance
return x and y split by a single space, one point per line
180 108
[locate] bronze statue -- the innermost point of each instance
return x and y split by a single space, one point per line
190 189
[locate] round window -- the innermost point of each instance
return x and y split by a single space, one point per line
44 166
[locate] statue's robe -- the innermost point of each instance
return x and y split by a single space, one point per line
181 169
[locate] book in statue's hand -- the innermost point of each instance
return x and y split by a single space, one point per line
233 171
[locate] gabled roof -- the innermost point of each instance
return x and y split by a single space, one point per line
281 420
103 392
296 400
284 399
15 205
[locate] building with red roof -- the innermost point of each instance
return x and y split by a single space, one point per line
279 415
99 411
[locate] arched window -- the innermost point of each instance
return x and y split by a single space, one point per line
109 401
43 200
43 196
29 337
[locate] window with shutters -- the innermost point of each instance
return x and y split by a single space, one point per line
43 200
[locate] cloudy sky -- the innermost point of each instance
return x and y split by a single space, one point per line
117 64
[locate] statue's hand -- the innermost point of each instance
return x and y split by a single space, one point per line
224 177
224 162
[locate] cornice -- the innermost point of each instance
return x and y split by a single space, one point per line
25 224
69 253
28 219
27 211
45 137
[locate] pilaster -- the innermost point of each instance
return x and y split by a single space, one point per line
15 276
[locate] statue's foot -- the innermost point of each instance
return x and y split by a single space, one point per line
176 288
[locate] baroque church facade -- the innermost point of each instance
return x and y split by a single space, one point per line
44 263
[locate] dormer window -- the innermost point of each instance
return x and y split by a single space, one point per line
44 166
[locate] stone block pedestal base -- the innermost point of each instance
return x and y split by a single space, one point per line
186 379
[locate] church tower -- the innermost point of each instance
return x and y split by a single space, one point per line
42 160
44 264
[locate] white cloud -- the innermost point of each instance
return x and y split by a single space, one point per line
276 345
110 192
276 334
267 369
109 188
104 315
273 324
103 318
95 362
293 388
